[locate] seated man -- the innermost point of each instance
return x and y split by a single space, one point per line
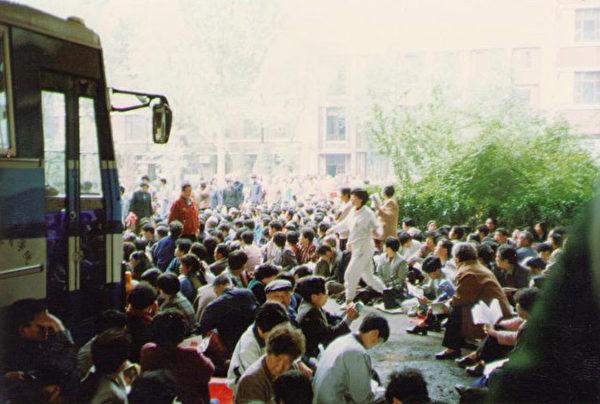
325 262
407 386
230 314
264 274
283 255
436 290
251 345
235 266
474 282
169 289
344 373
282 291
220 255
319 326
307 248
40 345
285 344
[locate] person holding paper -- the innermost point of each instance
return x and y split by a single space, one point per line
438 289
503 336
474 282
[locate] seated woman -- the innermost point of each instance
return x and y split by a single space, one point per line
192 276
109 356
190 368
319 326
437 289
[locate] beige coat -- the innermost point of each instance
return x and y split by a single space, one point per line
388 215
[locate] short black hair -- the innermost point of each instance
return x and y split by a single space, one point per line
264 271
140 244
389 191
431 264
191 262
184 245
536 262
556 238
236 260
485 252
459 231
175 228
361 194
269 315
374 321
527 297
222 249
503 231
308 234
151 276
293 387
404 237
142 296
323 249
279 239
407 385
276 225
292 237
248 237
310 285
286 340
222 280
168 283
409 221
482 228
199 250
162 231
22 312
464 252
108 319
509 253
345 191
447 244
302 271
393 243
323 227
110 349
148 227
169 328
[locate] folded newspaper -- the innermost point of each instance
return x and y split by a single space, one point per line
484 314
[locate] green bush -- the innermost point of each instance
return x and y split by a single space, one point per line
459 163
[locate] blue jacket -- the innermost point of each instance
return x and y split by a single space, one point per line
164 252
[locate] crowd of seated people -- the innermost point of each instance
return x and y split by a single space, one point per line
252 284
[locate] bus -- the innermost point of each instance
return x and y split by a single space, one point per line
60 206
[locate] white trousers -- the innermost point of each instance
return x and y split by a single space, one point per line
361 267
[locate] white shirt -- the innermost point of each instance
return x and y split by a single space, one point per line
246 352
343 215
360 224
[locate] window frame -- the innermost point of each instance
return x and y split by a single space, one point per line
579 24
337 117
578 94
11 151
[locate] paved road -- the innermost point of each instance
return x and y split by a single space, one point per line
406 350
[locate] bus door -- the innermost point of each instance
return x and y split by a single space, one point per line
74 204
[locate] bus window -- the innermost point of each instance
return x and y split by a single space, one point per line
55 142
89 157
6 138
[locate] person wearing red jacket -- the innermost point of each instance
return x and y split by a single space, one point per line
185 210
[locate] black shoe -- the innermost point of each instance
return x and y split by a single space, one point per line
416 330
444 355
476 371
466 361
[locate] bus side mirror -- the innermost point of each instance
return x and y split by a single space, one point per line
162 117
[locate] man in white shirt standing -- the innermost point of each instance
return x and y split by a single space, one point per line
362 225
343 214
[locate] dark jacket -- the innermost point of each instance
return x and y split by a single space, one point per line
518 279
230 314
141 204
218 267
319 327
163 252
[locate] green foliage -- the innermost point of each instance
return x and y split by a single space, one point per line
460 163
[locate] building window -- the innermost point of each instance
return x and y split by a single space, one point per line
336 124
587 24
587 88
335 164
